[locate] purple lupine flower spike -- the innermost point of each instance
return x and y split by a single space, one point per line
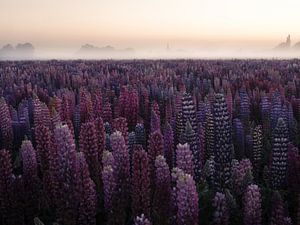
184 159
162 192
87 196
221 213
279 155
252 205
122 170
187 200
30 180
140 183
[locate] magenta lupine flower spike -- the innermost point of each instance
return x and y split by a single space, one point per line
86 191
184 158
141 220
109 186
155 122
169 145
221 213
63 173
162 192
252 205
43 139
6 130
121 156
100 136
30 180
193 141
120 124
187 200
241 175
156 146
140 183
88 142
107 114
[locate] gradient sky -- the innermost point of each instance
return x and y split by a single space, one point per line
148 23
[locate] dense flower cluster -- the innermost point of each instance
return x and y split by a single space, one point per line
162 142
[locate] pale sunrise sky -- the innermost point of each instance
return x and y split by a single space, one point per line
148 23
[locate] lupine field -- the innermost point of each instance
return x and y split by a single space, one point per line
150 142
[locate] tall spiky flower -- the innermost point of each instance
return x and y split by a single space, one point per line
293 169
201 144
169 145
257 150
277 213
121 156
97 103
244 108
120 124
265 108
241 175
131 147
156 145
63 175
209 172
279 155
162 194
252 205
209 135
140 136
41 113
88 142
191 138
179 128
140 184
189 111
141 220
239 138
276 108
8 198
221 213
87 196
184 159
6 130
107 114
223 142
30 180
100 135
155 122
43 139
109 186
186 200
